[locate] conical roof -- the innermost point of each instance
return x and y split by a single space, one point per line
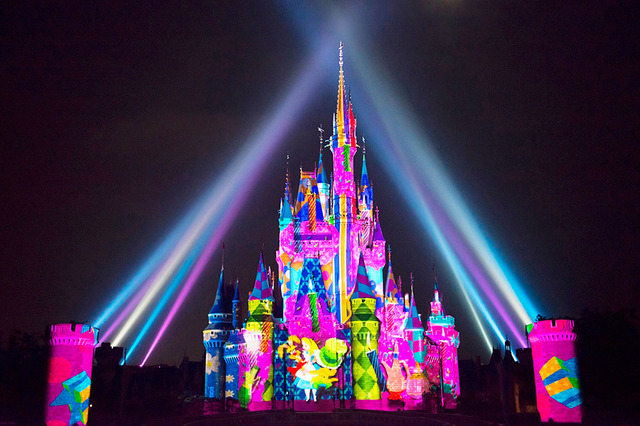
261 289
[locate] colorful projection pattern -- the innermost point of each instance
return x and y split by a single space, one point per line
560 379
69 377
557 386
342 334
76 396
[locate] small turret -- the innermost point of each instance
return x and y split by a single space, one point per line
214 337
366 192
286 216
257 383
440 328
392 294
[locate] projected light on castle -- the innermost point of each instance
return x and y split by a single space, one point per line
345 332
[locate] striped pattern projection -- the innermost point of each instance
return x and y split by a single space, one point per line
373 359
261 289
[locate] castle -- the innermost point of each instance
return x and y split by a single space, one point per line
343 333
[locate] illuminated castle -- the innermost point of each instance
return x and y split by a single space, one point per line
345 333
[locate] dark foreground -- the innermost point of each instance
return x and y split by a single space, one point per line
338 417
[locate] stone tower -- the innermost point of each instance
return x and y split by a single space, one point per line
555 370
69 377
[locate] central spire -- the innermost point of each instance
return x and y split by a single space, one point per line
343 148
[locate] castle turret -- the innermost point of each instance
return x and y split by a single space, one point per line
365 332
214 337
414 331
286 215
555 370
69 377
256 355
365 204
441 329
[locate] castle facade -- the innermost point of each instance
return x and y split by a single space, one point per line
344 330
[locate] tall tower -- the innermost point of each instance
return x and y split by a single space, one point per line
556 371
343 148
214 337
441 329
257 353
69 378
365 332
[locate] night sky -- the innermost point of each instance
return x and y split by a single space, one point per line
116 117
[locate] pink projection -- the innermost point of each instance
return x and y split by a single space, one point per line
555 370
69 377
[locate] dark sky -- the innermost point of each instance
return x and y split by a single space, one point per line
115 117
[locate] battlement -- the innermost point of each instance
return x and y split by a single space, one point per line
552 330
76 334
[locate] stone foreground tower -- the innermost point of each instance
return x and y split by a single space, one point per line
555 370
69 377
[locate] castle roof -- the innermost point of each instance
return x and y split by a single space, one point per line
261 289
321 176
367 191
236 292
413 321
221 304
392 289
285 208
377 234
